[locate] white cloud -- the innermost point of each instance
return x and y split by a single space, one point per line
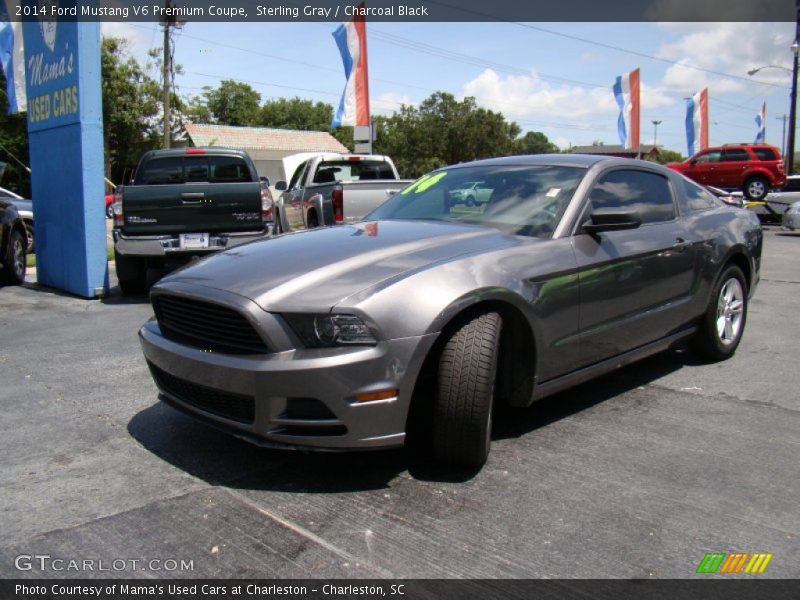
530 97
731 48
389 102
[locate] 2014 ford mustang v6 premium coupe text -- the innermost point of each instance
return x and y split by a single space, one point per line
419 320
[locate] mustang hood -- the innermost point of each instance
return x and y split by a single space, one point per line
314 270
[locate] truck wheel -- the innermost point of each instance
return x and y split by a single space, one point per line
131 274
29 234
110 211
277 228
470 201
14 262
312 220
462 421
723 322
756 188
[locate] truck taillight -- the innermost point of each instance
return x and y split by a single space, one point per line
267 205
337 200
780 167
116 206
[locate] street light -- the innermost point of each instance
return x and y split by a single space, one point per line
752 72
655 132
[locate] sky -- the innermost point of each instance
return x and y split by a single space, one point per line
550 77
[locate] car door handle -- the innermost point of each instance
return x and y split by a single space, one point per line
193 197
680 245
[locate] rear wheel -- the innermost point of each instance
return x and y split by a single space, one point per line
462 422
312 220
31 246
470 201
723 323
756 188
131 274
110 211
14 262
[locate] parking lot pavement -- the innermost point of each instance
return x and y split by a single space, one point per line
638 474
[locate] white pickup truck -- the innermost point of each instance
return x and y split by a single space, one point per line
326 189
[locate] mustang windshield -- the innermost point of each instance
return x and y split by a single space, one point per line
523 200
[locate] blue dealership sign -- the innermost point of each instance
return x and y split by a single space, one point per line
65 127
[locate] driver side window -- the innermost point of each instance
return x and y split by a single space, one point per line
647 193
298 175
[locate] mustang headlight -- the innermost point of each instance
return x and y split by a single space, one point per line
325 331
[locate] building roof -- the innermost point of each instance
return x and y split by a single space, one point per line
263 138
614 149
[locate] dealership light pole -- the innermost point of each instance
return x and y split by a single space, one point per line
655 132
788 149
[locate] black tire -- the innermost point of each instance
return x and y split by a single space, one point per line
15 259
727 308
278 227
470 201
756 188
462 419
131 274
312 220
110 211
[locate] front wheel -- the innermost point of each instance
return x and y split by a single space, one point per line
14 262
756 188
723 322
462 422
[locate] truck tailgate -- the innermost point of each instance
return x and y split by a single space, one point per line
361 197
192 207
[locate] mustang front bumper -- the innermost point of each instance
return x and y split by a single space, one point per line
299 398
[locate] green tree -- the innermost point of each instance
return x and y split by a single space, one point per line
13 146
131 103
535 142
296 113
232 103
667 156
443 131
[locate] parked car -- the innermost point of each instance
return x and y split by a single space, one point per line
183 203
731 199
109 202
25 210
752 168
418 320
13 241
791 218
473 193
327 189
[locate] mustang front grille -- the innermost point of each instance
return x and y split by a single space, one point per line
206 326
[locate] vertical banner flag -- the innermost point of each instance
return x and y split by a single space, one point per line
697 122
761 123
626 91
12 59
351 38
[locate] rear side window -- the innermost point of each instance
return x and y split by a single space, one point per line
697 198
735 155
161 171
766 153
347 170
647 193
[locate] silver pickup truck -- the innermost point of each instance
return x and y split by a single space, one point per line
326 189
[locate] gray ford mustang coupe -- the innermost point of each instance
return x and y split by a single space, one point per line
423 317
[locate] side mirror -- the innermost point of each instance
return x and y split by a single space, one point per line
611 219
280 186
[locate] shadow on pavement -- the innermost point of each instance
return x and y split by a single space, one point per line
223 460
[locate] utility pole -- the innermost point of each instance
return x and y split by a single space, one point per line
168 23
792 108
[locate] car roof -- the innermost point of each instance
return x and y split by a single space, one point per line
553 160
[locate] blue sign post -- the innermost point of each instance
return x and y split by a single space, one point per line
65 129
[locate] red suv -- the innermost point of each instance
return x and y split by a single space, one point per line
752 168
